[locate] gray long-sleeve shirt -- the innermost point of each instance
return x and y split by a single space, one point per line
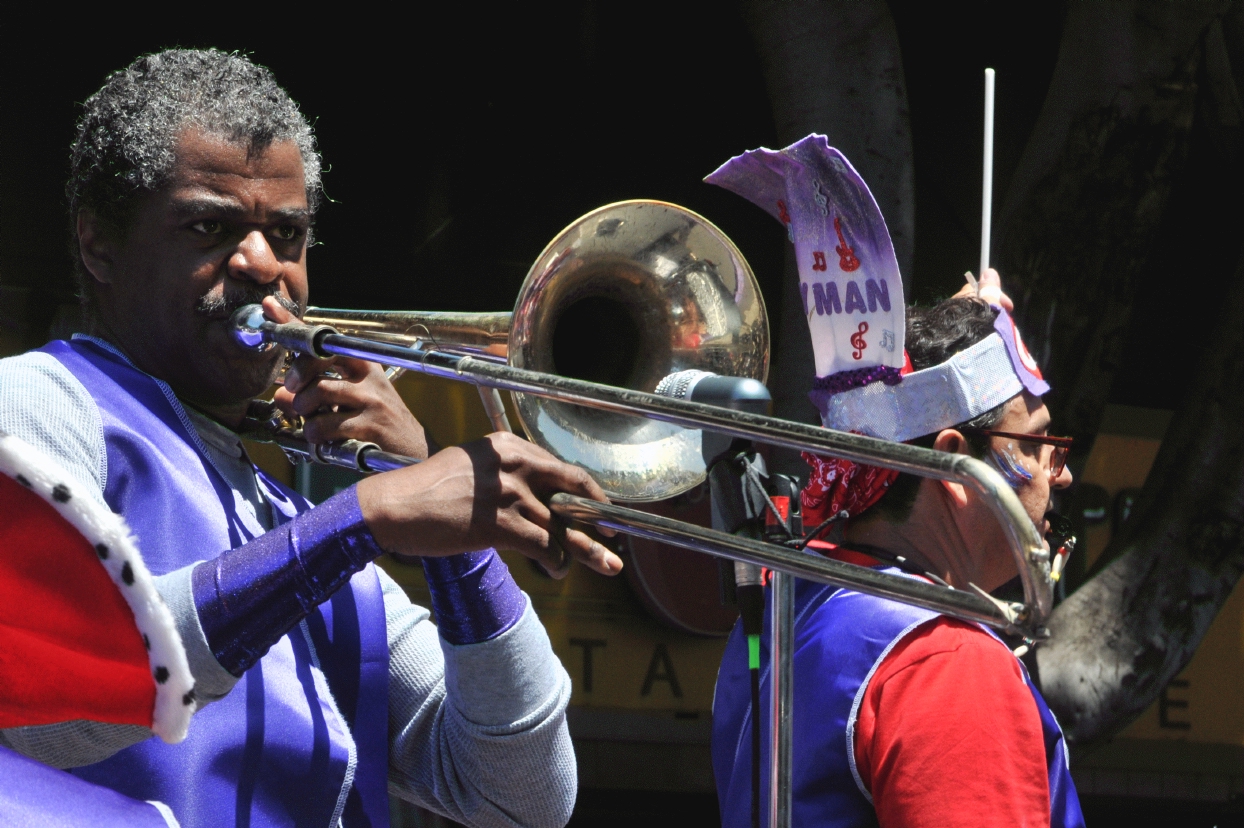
476 732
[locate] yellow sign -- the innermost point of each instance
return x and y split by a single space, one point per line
617 655
1205 703
621 660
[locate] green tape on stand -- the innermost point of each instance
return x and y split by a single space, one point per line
753 652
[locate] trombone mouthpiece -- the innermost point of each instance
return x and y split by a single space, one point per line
252 330
248 327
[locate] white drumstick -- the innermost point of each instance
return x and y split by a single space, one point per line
987 183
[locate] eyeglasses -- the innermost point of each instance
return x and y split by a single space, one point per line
1062 445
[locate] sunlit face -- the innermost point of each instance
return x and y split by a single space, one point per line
229 228
1026 414
1033 483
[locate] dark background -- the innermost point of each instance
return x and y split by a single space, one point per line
456 149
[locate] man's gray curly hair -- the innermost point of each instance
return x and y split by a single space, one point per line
127 136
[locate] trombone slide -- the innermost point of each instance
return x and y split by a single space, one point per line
1031 556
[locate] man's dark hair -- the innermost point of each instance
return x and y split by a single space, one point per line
127 136
934 335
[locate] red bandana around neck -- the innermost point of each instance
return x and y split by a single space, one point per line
839 487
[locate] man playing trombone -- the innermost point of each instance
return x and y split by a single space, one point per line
902 716
319 688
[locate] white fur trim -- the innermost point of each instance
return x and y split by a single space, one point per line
118 553
166 812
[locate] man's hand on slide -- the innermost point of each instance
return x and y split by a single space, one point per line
491 492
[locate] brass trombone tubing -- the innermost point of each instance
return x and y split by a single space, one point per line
1031 557
359 456
958 603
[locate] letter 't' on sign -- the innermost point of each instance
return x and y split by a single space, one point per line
588 644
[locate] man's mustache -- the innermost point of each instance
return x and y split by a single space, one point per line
225 304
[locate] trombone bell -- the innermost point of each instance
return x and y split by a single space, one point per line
626 295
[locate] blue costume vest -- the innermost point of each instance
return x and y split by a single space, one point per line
841 637
302 740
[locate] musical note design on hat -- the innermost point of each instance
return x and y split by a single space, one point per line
826 207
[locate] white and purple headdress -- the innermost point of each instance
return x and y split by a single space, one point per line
848 277
853 300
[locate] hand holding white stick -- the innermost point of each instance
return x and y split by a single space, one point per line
988 289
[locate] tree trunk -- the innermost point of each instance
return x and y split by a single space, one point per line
1086 222
834 68
1086 203
1078 228
1121 637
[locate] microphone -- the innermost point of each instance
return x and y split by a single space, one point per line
736 393
736 507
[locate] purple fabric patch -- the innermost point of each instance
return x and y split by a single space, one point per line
825 387
1026 367
250 596
156 471
846 380
473 595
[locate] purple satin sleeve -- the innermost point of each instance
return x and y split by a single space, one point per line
473 595
252 595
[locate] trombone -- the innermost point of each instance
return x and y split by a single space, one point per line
657 289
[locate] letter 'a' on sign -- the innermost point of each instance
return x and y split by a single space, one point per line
661 668
814 190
